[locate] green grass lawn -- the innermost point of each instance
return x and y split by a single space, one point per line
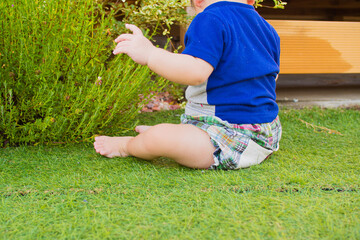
309 189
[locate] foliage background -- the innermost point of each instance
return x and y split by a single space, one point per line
59 79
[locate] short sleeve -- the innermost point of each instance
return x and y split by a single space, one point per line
205 38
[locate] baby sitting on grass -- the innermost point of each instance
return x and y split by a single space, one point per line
231 63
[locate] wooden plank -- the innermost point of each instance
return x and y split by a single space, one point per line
318 46
335 4
318 80
328 10
311 14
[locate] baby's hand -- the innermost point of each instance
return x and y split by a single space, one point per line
135 45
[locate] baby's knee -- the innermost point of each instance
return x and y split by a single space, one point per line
158 132
155 136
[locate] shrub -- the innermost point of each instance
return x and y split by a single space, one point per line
59 81
277 4
159 15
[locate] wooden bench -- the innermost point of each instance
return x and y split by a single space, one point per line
318 47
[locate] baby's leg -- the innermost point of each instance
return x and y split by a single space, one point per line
186 144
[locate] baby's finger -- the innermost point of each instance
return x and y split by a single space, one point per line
121 48
134 29
118 51
124 37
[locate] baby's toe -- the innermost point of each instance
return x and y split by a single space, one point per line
100 139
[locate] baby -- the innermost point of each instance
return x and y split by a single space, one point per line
230 62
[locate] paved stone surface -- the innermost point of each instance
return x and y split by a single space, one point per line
323 97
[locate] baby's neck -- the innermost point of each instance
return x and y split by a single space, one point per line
206 3
239 1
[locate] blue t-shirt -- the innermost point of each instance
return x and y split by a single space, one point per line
244 50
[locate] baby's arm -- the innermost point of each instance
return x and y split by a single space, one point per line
179 68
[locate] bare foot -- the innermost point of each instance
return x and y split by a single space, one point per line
112 146
142 128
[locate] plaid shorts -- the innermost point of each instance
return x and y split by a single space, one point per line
238 145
